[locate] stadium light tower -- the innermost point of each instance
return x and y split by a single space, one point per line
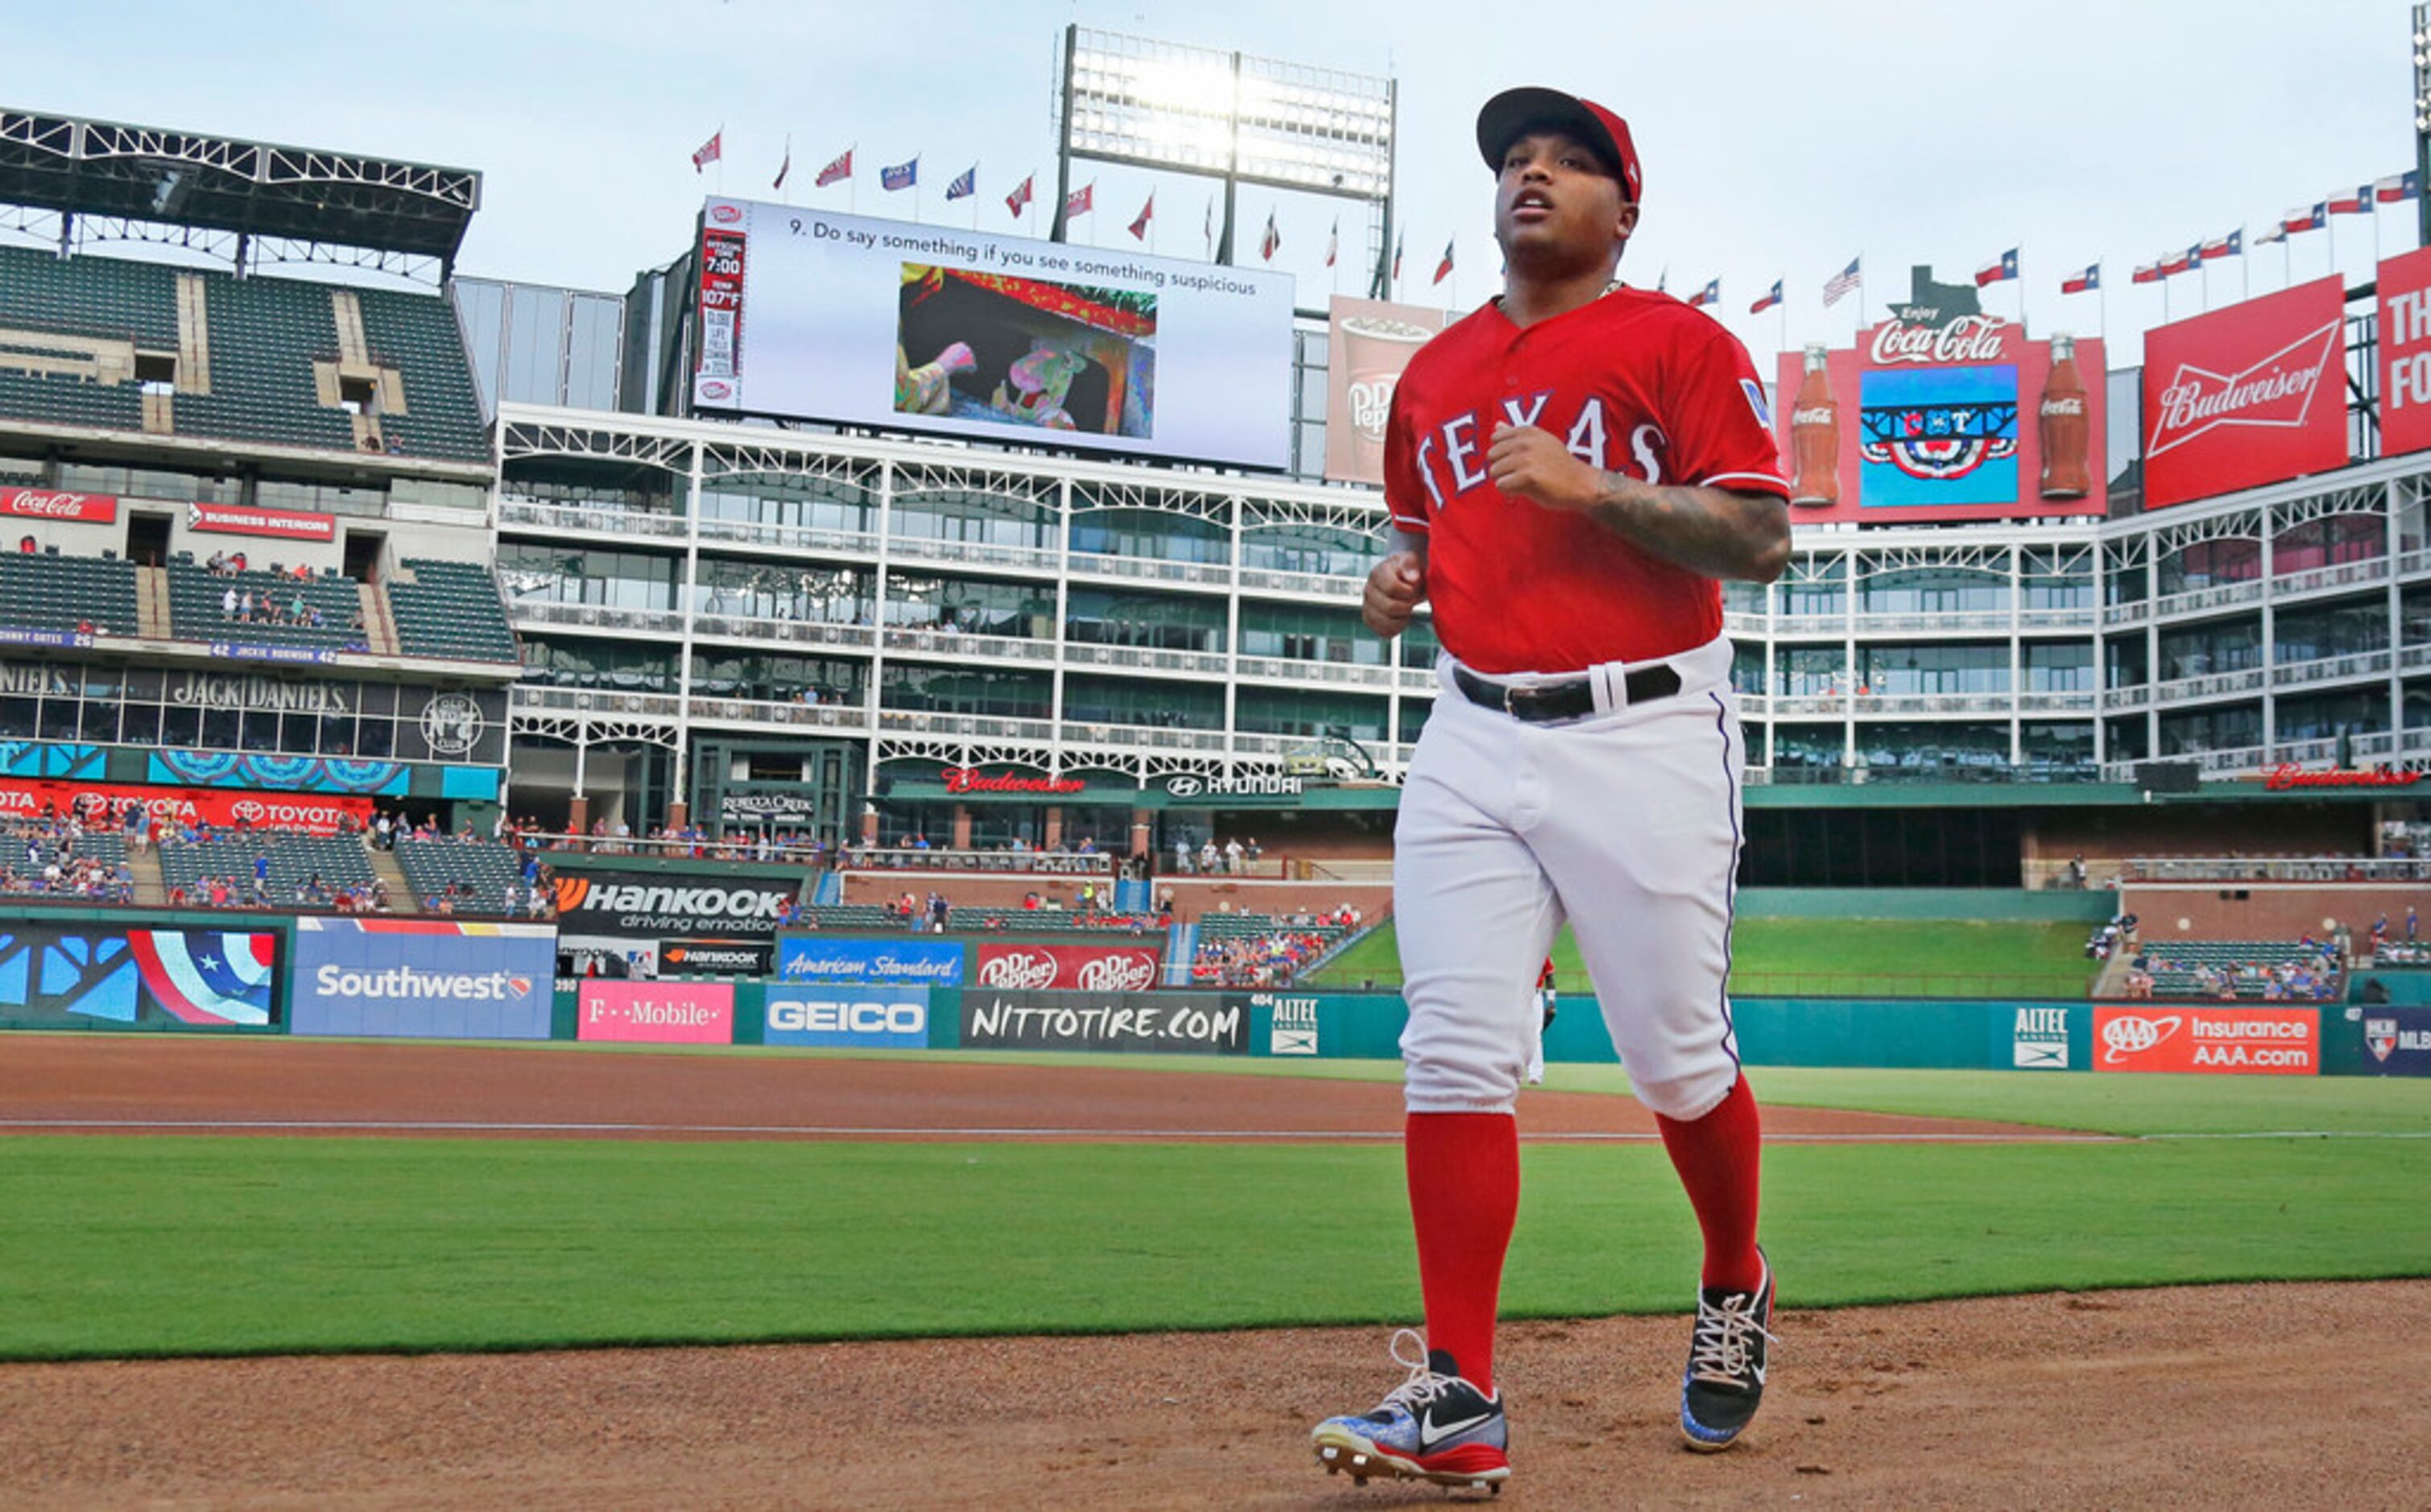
2423 122
1244 120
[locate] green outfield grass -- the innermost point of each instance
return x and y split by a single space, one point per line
1828 957
121 1246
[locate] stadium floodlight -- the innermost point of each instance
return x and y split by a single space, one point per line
1162 105
2423 122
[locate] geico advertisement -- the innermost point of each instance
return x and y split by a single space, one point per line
2192 1037
1203 1022
936 329
648 905
422 978
861 1017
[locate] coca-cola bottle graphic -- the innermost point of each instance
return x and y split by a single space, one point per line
2064 429
1815 437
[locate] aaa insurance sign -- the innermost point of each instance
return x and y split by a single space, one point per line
2229 1037
2246 395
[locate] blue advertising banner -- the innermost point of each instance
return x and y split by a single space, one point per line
859 1017
422 978
2396 1040
814 957
62 975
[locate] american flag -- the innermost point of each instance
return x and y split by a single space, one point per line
966 184
1837 286
901 176
835 172
710 151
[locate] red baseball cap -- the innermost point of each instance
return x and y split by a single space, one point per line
1513 114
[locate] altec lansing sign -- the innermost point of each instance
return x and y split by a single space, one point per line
2251 395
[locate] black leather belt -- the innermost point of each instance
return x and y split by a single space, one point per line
1543 702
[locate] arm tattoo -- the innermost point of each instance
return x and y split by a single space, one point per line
1717 531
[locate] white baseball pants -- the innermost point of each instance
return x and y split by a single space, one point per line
1627 822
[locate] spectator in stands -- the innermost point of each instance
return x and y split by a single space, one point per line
28 547
1209 858
1232 855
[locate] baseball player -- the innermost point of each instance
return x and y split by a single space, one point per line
1546 1008
1569 469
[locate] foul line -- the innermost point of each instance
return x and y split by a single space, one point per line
900 1131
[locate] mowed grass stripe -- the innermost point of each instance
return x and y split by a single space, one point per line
180 1246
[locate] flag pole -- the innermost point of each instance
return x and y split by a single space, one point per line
788 166
2245 276
852 183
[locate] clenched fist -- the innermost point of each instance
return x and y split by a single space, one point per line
1394 588
1526 462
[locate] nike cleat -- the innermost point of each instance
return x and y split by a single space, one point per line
1724 1382
1434 1427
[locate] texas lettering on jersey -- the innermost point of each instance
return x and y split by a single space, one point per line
1632 383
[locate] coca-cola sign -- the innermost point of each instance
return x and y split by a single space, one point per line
1944 412
2246 395
54 504
1076 968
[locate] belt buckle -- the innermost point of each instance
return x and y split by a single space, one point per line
1512 693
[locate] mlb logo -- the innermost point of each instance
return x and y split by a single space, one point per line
2380 1037
1293 1042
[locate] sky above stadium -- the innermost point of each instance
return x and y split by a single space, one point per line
1780 141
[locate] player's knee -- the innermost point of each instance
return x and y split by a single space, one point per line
1443 1083
1689 1094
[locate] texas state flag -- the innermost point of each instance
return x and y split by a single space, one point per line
2396 187
2231 245
2147 273
1710 295
2000 270
2086 282
2300 219
1772 297
2176 263
2350 201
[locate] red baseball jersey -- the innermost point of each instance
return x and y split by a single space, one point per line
1634 382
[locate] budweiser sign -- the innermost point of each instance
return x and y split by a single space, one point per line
1068 967
2280 779
51 504
1966 339
2246 395
2276 391
971 780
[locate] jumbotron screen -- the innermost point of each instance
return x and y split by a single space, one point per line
844 318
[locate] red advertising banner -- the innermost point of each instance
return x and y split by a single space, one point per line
283 525
2264 1040
2250 394
2404 284
722 253
1943 413
657 1013
221 808
1069 967
51 504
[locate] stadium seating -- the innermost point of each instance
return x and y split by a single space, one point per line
196 595
27 853
2195 968
61 593
1259 950
451 608
339 861
265 336
481 872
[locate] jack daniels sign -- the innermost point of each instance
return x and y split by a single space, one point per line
215 709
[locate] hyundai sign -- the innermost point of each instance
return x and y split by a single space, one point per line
423 979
